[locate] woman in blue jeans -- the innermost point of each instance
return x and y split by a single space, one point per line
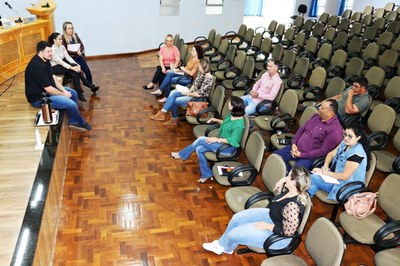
283 216
200 88
230 132
181 75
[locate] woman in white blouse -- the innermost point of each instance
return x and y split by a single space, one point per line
63 64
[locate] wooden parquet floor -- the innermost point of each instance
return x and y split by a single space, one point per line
126 202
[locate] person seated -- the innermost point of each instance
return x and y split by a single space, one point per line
70 39
39 79
201 88
319 135
348 162
266 88
230 132
63 64
185 75
353 100
251 227
169 58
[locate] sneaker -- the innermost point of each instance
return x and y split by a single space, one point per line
163 100
84 127
87 126
214 247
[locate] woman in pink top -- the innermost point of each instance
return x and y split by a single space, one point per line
169 56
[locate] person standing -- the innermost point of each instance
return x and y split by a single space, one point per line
39 78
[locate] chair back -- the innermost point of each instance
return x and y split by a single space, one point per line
274 169
318 30
183 51
289 59
289 102
323 18
246 132
379 24
272 26
257 40
318 77
372 165
354 67
280 30
311 45
239 60
300 39
298 22
325 51
356 29
302 66
277 52
346 14
333 21
381 119
396 140
356 17
223 47
392 88
375 76
366 20
211 35
341 40
344 24
306 215
335 87
177 37
254 149
242 30
324 243
249 35
339 58
307 114
217 41
355 45
248 68
217 99
388 59
389 196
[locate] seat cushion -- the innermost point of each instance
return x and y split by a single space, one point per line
236 197
263 122
361 230
200 130
284 260
221 179
384 161
321 195
387 257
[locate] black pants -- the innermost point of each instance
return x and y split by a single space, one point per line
159 75
76 77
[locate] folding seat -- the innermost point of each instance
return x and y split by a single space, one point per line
356 17
370 55
384 41
299 42
221 61
241 77
368 10
273 170
328 37
335 86
375 76
204 41
389 256
246 40
344 25
314 88
351 186
234 70
298 75
333 21
354 47
285 120
323 18
387 161
337 64
353 70
255 46
243 174
287 64
288 38
372 230
308 112
340 41
346 14
323 243
261 57
310 49
323 56
269 32
280 30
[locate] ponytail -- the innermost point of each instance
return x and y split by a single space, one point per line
303 183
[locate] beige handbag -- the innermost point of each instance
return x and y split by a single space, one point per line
361 205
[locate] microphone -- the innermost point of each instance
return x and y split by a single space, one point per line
19 20
46 5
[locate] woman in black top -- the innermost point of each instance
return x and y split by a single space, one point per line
283 216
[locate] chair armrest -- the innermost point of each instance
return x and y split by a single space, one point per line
396 165
205 111
266 107
240 169
380 237
264 195
290 248
232 157
261 56
322 62
212 127
313 93
350 78
334 71
295 82
284 71
318 162
251 50
286 119
369 62
389 72
394 102
380 137
216 57
232 72
343 193
241 82
353 54
374 91
307 54
351 119
224 64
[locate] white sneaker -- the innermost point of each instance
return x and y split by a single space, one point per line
163 100
214 247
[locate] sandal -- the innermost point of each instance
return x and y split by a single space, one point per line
175 155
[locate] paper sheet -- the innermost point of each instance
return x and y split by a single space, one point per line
328 179
74 47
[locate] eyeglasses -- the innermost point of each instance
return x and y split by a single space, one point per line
345 135
168 40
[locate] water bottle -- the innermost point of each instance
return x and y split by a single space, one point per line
46 108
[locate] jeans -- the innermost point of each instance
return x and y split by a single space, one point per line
286 156
159 75
250 105
84 67
241 231
172 78
69 104
317 183
174 100
201 147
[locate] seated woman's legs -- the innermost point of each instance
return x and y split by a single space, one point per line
84 67
317 183
166 83
179 101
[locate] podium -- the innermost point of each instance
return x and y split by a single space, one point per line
18 44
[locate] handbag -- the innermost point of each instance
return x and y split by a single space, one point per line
193 108
361 205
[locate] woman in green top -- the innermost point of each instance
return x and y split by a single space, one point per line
230 132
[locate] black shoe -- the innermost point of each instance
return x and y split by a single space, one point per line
147 88
81 97
95 89
84 127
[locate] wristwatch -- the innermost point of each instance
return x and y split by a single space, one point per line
219 140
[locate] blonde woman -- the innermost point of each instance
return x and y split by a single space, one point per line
71 39
283 216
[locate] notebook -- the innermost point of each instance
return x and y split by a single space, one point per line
182 89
